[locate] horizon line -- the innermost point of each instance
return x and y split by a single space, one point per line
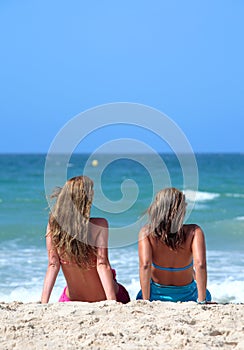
127 152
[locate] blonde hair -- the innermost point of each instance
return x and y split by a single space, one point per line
69 219
166 216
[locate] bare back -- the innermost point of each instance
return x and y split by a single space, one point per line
84 284
165 257
91 284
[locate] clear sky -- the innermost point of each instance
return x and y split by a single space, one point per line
184 58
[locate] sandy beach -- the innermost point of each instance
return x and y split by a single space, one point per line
110 325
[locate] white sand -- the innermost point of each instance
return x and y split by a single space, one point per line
110 325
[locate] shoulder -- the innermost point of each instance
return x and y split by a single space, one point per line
194 234
191 228
144 232
102 222
192 231
99 232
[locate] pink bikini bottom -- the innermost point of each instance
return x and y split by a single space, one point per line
63 296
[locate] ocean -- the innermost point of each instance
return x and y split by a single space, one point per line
124 188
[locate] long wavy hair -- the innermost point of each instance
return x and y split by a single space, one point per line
69 220
166 216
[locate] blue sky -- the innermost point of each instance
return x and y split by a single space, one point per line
184 58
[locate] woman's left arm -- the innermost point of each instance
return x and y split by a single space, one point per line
52 269
103 266
145 262
199 257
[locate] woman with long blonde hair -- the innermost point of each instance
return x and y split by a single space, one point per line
172 256
79 244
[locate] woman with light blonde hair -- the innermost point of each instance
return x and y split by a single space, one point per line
172 256
79 244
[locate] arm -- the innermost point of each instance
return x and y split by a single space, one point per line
145 263
199 257
103 265
52 269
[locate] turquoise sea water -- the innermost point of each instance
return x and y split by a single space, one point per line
219 210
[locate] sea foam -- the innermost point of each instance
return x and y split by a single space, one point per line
199 196
240 218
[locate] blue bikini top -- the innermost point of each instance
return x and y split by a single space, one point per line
173 269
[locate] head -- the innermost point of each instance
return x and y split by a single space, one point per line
69 217
166 216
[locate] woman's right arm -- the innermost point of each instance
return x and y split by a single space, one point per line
145 263
199 257
52 269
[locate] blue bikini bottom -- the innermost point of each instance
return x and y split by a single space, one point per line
174 293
